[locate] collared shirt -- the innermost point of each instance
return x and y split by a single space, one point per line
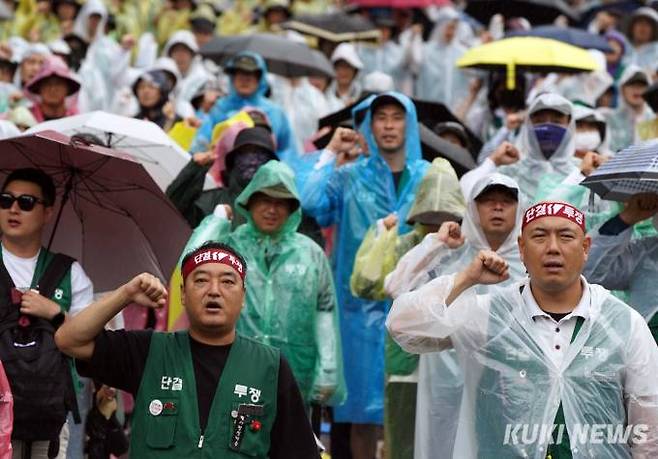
554 336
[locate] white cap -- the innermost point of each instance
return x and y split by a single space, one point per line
347 52
59 47
378 82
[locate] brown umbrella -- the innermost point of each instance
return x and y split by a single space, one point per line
111 215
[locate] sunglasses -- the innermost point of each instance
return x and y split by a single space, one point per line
26 202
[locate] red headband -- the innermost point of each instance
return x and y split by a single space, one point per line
554 209
212 256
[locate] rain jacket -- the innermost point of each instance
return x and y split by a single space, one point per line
353 197
533 167
304 105
388 58
233 103
438 197
645 55
512 390
440 378
622 263
439 79
196 76
290 301
622 122
105 67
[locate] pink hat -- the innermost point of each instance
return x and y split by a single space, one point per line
54 66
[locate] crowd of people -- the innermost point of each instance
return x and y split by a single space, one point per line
350 288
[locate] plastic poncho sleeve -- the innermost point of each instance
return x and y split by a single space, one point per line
328 380
186 189
374 260
415 267
639 392
420 321
613 259
212 228
323 193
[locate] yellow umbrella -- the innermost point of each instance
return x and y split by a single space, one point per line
532 54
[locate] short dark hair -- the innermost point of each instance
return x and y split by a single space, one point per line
36 176
216 245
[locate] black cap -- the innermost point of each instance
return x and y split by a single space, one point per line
385 99
254 137
499 187
243 62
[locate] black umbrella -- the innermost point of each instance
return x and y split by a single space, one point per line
621 8
536 11
284 57
428 114
651 96
570 35
335 27
631 171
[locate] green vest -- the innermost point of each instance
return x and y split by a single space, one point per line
166 414
62 294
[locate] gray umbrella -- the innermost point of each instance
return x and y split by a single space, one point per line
633 170
284 57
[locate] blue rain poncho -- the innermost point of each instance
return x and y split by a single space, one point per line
228 106
605 383
290 301
440 378
353 197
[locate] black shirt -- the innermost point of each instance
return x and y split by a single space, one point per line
397 176
119 361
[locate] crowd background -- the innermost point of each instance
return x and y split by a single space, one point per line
150 60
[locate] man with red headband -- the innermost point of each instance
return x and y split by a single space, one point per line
202 392
553 366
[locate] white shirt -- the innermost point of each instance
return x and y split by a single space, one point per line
554 337
21 271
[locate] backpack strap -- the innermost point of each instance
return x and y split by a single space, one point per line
57 268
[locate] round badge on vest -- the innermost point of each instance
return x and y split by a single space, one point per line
155 408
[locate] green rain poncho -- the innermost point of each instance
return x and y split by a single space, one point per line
291 300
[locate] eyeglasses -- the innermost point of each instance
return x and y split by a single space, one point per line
26 202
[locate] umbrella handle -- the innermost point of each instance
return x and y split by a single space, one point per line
511 75
65 197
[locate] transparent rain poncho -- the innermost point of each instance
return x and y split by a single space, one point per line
290 301
606 382
440 378
622 263
353 197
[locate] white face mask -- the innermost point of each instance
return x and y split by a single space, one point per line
588 140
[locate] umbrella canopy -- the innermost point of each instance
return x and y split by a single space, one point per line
284 57
400 3
114 220
531 54
569 35
160 155
618 7
336 27
536 11
631 171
